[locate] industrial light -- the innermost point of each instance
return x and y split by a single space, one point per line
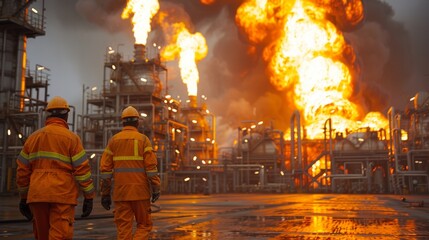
40 68
93 88
177 151
192 139
8 132
34 10
194 121
143 114
92 156
208 139
20 135
282 173
174 110
204 179
178 130
210 161
187 179
168 96
256 172
203 161
404 135
143 79
213 141
113 67
194 158
253 126
261 122
198 167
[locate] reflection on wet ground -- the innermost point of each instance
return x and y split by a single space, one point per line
259 216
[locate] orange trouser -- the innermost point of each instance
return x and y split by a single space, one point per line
125 211
52 220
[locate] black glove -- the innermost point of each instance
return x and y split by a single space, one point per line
155 196
106 201
25 209
86 207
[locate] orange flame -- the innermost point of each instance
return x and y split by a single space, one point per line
142 12
189 48
207 2
310 57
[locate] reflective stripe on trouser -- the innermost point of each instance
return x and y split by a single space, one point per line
124 214
52 220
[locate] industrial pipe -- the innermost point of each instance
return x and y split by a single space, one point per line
296 117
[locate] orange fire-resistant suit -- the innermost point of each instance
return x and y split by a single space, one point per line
131 161
51 167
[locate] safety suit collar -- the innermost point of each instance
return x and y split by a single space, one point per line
56 121
129 128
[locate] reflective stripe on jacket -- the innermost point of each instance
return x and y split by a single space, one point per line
131 161
53 165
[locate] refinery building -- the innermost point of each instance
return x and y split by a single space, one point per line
390 160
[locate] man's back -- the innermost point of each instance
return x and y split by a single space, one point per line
55 156
124 154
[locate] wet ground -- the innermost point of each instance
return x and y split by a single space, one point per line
256 216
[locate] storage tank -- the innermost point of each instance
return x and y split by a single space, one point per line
360 141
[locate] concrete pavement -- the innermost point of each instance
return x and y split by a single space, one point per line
256 216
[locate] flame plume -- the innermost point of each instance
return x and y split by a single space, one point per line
310 57
189 48
207 2
142 11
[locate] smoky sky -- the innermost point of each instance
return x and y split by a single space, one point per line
391 66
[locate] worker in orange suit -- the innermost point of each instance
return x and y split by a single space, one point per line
52 167
130 160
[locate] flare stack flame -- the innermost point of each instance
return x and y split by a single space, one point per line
189 49
142 12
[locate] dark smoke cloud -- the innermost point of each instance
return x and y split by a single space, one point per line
383 49
104 13
234 76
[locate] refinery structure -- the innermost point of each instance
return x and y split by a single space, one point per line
394 159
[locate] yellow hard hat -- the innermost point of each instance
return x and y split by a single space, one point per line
58 103
130 112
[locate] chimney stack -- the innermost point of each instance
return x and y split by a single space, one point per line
193 101
139 52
